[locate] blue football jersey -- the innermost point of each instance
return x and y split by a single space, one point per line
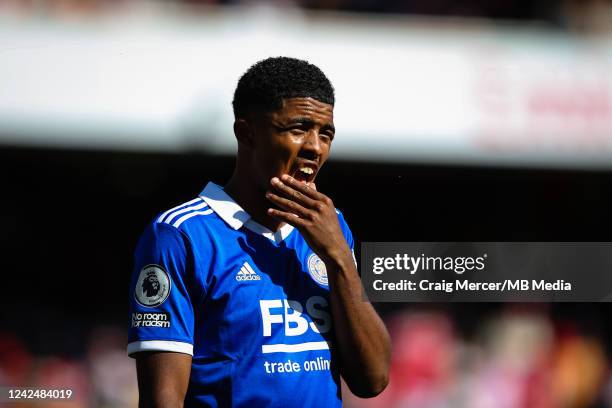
250 305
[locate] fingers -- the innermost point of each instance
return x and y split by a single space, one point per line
294 191
287 204
283 216
308 189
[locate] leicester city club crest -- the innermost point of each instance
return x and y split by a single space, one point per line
153 286
317 270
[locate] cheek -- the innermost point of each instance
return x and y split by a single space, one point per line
273 160
325 148
283 151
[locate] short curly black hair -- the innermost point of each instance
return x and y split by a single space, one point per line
264 86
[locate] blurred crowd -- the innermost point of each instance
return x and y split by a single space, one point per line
516 358
578 16
102 376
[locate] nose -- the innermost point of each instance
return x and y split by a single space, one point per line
312 143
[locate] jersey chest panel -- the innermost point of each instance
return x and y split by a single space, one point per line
261 294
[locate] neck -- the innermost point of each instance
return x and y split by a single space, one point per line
251 198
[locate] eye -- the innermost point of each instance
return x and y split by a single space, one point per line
296 130
328 136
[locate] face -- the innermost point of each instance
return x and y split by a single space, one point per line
294 140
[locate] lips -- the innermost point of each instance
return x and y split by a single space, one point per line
305 171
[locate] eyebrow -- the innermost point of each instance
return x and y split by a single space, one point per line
310 122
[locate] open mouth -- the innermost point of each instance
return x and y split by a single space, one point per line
304 173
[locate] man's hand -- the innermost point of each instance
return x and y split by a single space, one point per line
364 345
313 214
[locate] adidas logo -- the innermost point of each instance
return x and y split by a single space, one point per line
246 273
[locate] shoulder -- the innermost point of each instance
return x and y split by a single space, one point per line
179 226
182 215
182 230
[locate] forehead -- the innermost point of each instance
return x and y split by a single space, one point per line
308 107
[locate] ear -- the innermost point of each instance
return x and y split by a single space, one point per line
243 132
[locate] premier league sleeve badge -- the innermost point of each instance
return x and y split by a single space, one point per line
153 286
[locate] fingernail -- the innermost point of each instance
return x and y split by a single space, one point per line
286 177
275 180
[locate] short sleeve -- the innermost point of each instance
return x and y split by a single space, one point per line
161 314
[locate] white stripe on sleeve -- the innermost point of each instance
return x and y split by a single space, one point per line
159 345
185 217
169 219
161 217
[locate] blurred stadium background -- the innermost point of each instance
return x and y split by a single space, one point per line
457 120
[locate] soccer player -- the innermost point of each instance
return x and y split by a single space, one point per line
248 295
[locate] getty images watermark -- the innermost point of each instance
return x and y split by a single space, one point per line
487 271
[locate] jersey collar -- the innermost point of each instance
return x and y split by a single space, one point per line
236 217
